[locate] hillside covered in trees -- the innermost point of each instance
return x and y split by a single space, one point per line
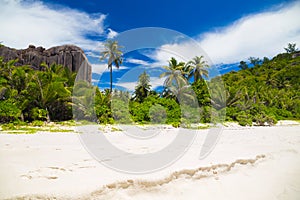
267 91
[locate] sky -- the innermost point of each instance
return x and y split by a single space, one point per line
226 32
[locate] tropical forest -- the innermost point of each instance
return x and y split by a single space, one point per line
262 92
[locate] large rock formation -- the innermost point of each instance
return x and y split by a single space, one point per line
69 56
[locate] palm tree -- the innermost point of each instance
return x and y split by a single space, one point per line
233 94
175 74
245 101
243 65
50 87
21 78
176 84
114 54
197 68
142 90
291 48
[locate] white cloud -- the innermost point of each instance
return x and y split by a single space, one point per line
137 61
98 68
122 67
184 51
130 86
25 22
258 35
156 82
127 85
92 54
95 81
111 34
102 68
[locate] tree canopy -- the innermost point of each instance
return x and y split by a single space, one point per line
113 54
27 95
266 91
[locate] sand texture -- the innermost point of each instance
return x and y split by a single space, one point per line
247 163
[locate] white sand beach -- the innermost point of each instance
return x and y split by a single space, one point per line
246 163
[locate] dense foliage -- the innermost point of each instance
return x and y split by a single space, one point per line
27 94
262 92
267 92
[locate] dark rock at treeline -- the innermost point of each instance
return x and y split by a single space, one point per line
69 56
296 54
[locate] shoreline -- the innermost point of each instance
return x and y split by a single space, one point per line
105 128
57 165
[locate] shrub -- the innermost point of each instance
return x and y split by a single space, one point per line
158 114
38 114
244 119
120 111
175 124
37 123
263 119
9 126
8 111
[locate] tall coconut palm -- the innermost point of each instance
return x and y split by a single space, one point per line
197 68
113 53
176 84
175 74
142 90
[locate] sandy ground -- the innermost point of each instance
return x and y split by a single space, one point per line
247 163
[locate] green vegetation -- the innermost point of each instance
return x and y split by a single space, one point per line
175 105
29 95
265 93
113 53
262 92
197 68
291 48
18 127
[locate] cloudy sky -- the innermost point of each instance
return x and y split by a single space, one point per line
225 31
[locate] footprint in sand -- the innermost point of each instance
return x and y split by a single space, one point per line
51 173
54 172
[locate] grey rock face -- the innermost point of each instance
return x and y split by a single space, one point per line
296 54
69 56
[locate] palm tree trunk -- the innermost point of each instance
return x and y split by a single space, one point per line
22 116
48 115
110 67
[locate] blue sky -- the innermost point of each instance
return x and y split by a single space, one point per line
226 31
190 17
